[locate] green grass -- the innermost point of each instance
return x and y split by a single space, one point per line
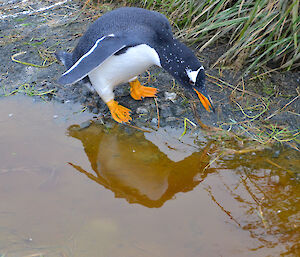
29 90
257 32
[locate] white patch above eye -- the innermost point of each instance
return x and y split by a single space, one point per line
193 74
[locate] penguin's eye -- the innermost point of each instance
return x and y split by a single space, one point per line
192 82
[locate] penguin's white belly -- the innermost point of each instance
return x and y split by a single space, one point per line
119 69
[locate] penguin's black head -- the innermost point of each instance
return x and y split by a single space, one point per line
196 81
183 65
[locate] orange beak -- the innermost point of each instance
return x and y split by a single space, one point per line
204 100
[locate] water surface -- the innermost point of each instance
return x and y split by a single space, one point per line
105 191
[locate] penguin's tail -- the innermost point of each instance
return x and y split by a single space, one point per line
65 58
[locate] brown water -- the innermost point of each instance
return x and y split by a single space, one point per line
66 191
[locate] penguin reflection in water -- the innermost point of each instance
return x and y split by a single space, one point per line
122 44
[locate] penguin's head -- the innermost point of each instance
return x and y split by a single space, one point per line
196 81
177 59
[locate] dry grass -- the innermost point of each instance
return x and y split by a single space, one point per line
257 113
257 32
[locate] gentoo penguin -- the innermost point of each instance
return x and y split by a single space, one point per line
122 44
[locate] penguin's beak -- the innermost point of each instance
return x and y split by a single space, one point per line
205 100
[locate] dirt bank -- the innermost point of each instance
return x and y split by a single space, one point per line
31 31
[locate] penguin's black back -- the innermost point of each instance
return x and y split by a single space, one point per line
136 24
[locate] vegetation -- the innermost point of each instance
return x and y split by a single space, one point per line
260 36
30 90
257 32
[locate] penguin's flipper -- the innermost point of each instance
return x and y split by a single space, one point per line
102 49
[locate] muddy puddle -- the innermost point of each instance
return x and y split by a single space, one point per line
72 190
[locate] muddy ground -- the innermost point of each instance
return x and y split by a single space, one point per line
31 31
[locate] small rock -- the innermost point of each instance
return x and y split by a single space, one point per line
276 154
95 110
275 179
169 119
166 111
99 121
141 110
267 172
154 121
170 96
179 111
85 124
55 116
82 99
109 124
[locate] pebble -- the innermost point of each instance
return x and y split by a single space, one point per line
85 124
179 111
275 179
99 121
141 110
276 154
166 111
109 124
170 119
154 121
170 96
95 110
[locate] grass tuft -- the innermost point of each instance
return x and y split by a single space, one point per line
29 90
257 32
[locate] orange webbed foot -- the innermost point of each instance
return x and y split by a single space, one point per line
119 112
137 91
